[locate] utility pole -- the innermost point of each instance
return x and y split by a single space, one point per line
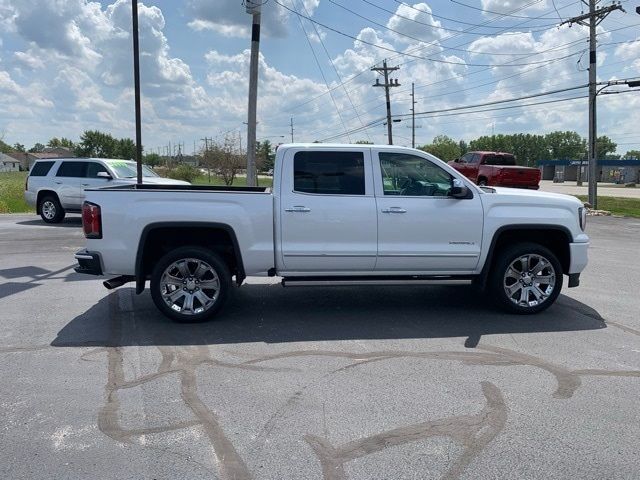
413 116
595 17
387 85
291 129
253 8
136 81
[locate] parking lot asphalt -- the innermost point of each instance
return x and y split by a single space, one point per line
333 383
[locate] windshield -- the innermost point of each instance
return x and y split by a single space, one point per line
124 169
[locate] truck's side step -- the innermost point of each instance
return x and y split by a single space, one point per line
373 280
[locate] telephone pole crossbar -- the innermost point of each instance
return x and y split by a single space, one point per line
387 85
592 19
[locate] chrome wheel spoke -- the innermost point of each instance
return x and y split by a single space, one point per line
542 264
544 279
511 290
192 286
529 280
210 284
173 297
188 302
524 296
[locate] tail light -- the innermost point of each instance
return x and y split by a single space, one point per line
91 220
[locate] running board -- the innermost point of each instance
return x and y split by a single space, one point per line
360 281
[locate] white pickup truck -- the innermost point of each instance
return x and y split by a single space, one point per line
336 215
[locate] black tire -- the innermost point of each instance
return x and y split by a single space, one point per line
482 182
50 209
526 287
158 291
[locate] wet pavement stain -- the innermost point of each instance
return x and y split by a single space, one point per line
473 432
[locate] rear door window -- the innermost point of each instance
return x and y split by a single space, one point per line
41 169
72 169
329 173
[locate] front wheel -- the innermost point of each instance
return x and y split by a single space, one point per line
527 278
190 284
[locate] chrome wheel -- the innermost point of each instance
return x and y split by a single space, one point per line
190 286
529 280
48 209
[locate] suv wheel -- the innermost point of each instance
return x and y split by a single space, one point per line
50 209
482 182
526 278
190 284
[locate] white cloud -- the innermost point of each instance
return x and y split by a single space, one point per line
510 6
415 21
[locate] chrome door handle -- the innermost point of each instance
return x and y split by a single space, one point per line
85 184
394 210
58 183
297 208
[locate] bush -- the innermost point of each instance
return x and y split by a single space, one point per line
184 172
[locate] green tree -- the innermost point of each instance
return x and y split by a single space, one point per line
4 148
463 146
265 156
56 142
18 147
632 154
125 149
38 147
443 147
566 145
605 146
152 159
96 144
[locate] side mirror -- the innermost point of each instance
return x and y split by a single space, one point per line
104 175
459 189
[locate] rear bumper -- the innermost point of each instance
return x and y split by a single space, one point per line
30 198
89 263
579 257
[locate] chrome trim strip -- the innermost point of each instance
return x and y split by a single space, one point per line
340 255
337 283
438 255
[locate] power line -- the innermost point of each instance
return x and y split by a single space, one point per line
334 68
306 36
407 54
486 11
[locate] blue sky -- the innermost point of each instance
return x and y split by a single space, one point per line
65 66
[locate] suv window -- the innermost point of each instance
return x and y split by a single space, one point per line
409 175
41 169
93 168
72 169
476 158
329 173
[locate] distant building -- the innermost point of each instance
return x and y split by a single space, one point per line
615 171
8 163
27 159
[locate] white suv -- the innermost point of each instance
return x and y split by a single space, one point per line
57 186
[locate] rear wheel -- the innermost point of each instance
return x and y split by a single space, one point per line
482 182
527 278
50 209
190 284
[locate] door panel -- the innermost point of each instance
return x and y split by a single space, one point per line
68 183
328 219
421 228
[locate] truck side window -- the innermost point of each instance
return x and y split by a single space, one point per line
329 173
466 158
409 175
476 158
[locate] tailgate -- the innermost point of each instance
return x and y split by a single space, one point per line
519 176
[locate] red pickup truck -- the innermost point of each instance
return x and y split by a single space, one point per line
496 169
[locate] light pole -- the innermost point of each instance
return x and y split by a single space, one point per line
253 8
136 78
